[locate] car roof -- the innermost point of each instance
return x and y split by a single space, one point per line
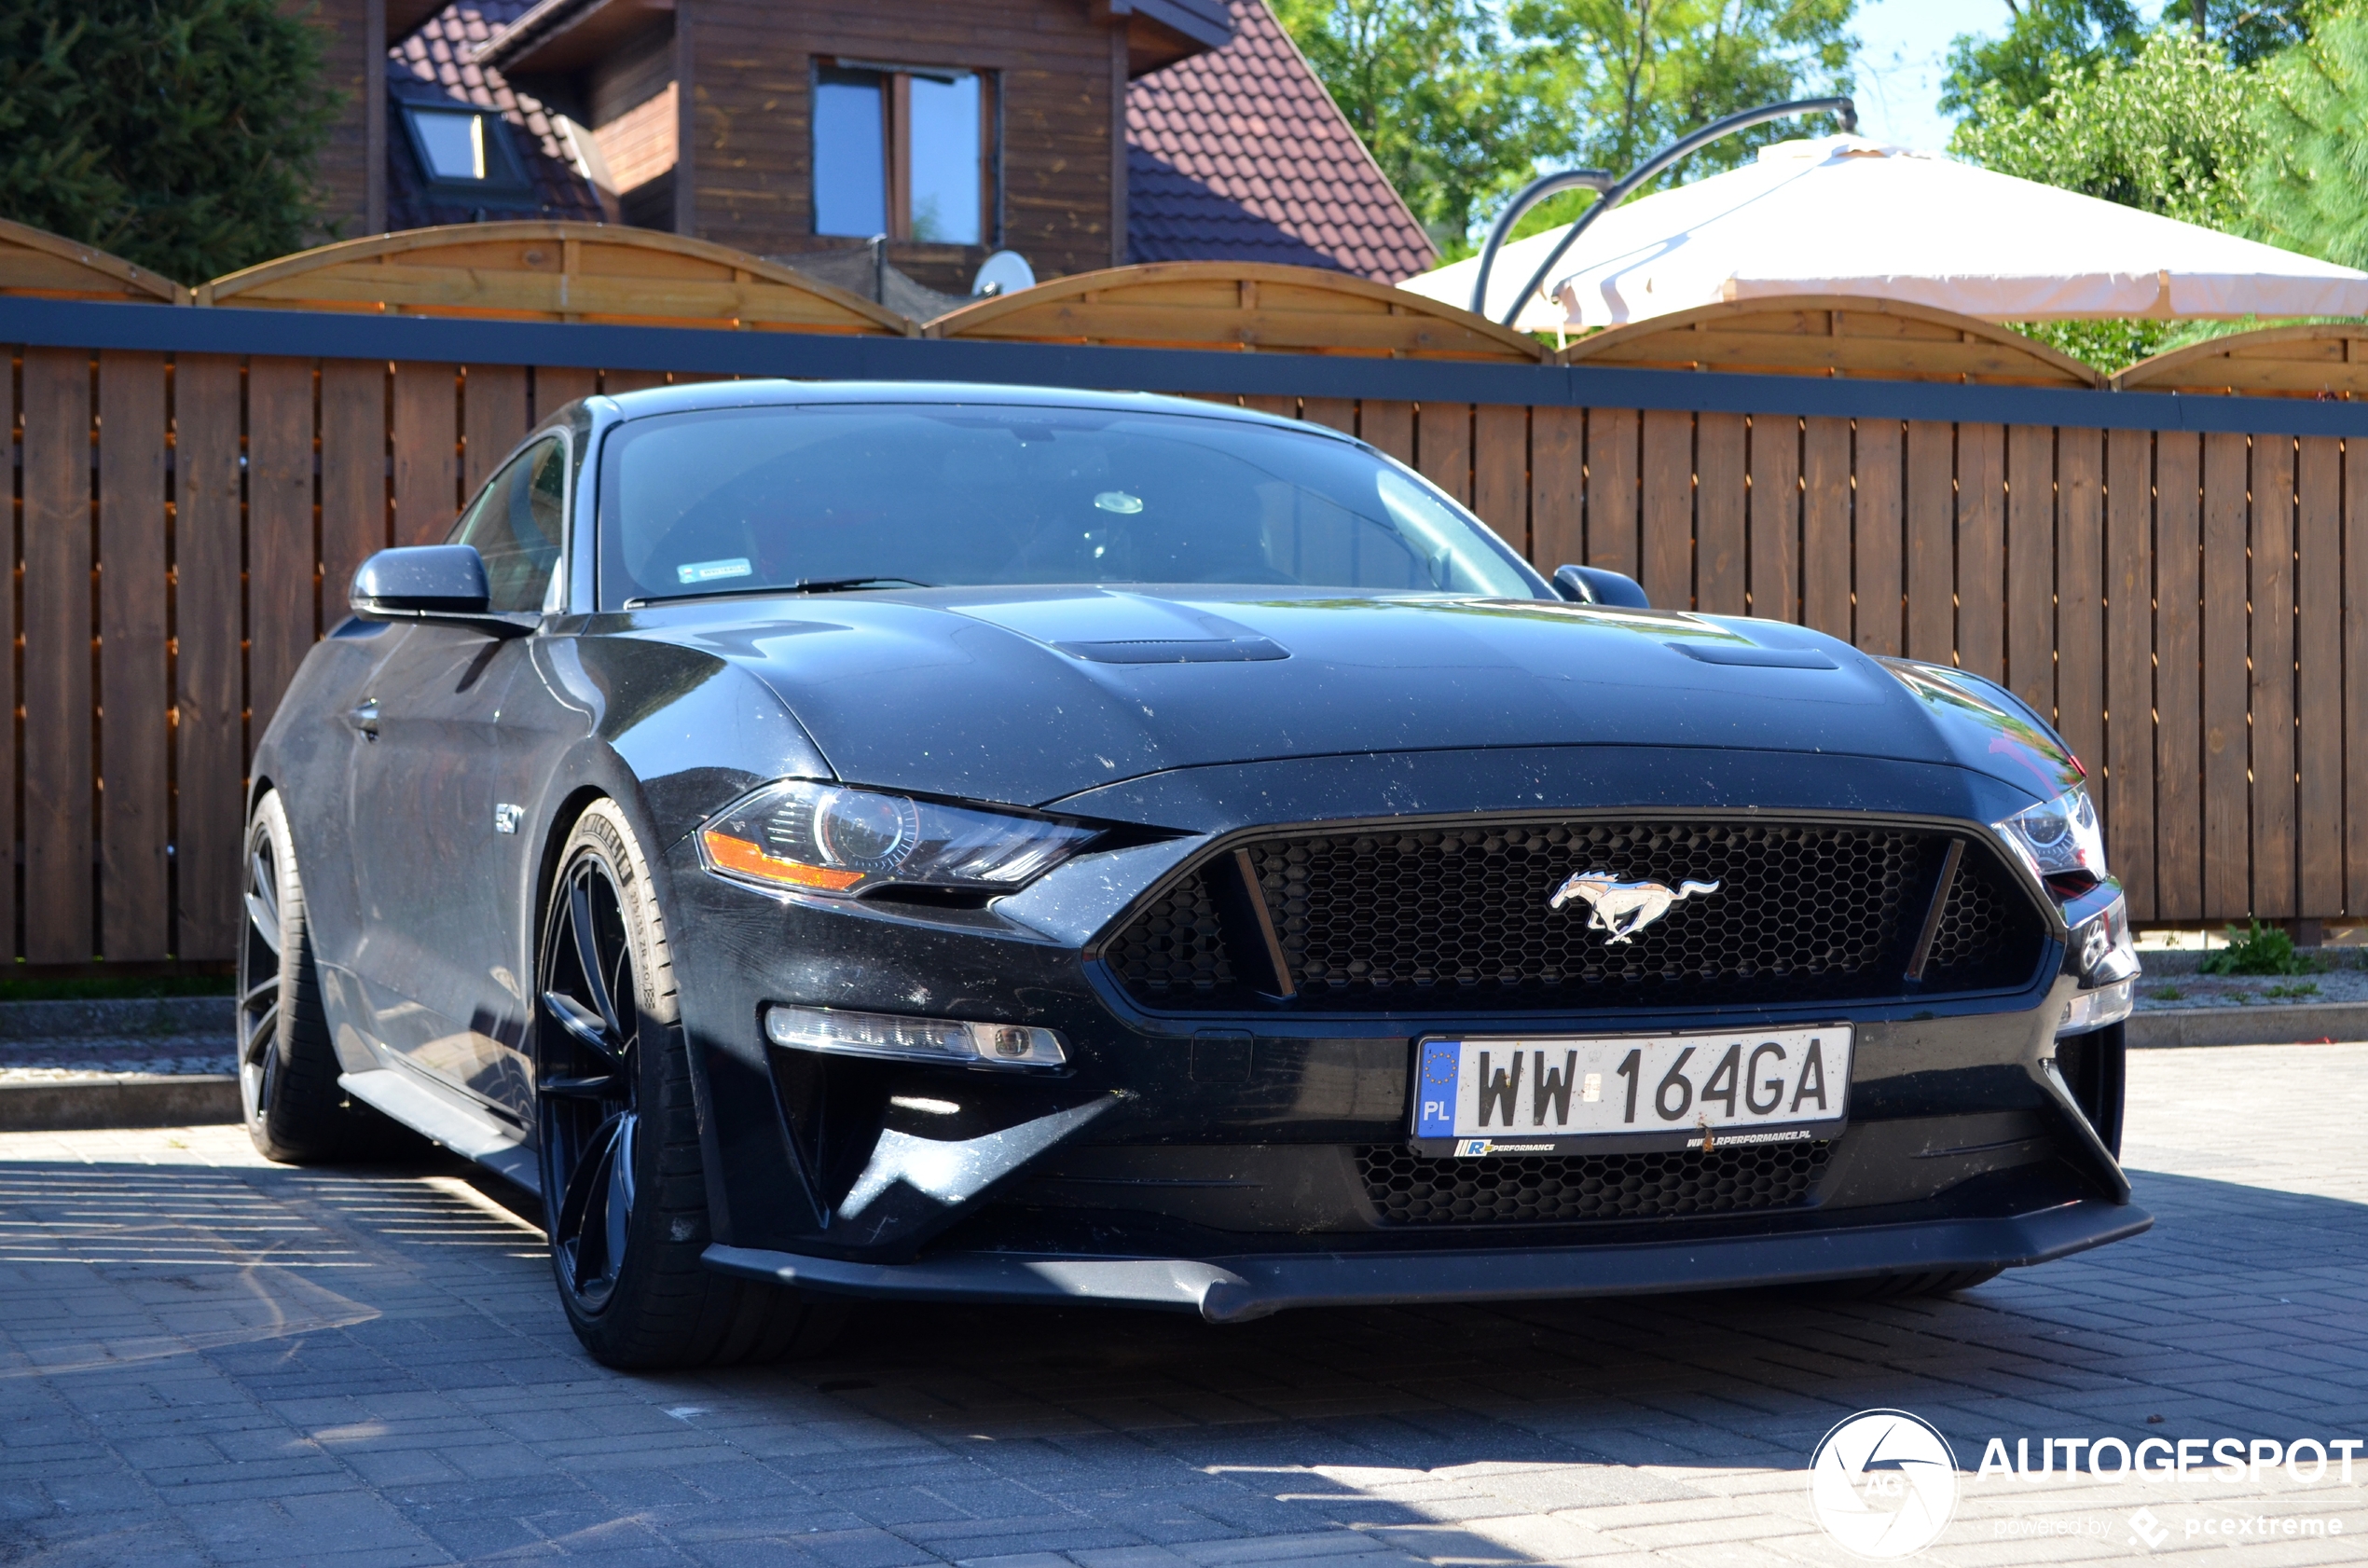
700 396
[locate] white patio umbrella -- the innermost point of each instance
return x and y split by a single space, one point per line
1844 215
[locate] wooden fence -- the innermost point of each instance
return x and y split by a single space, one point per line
186 518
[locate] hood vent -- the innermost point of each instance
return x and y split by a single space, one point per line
1177 651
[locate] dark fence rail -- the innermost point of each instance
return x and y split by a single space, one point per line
2172 578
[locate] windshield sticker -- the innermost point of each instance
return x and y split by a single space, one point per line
710 571
1119 502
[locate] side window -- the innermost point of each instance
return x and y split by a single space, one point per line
518 524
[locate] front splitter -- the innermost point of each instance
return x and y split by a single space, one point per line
1235 1289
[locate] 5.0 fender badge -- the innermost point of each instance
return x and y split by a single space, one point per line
1622 909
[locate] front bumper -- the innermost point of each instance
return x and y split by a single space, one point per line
1239 1289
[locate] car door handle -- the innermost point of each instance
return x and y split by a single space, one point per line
366 719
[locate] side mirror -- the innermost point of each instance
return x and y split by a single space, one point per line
1593 584
431 583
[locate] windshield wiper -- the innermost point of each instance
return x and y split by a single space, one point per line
803 586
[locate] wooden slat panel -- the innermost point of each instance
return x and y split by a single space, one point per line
493 421
1666 509
1877 608
2030 565
1389 427
281 586
426 439
2080 592
1332 413
1932 549
2319 676
1720 552
2178 807
57 656
9 837
1825 526
614 382
2226 749
1500 471
1774 552
1981 549
2272 693
555 387
1611 491
1557 487
211 756
353 476
1443 446
2355 653
134 902
1267 403
2128 756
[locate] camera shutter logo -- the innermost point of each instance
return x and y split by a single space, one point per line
1884 1484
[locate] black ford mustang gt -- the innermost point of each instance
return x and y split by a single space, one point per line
975 843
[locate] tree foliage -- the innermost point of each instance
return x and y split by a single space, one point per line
2170 131
1462 104
2046 40
2309 189
179 134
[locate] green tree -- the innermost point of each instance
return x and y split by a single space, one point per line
2170 131
1633 75
2047 40
179 134
2309 186
1449 107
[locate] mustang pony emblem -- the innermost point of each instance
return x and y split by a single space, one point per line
1622 909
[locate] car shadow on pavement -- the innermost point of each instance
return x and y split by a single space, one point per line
390 1335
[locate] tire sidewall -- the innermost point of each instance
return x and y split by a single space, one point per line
270 824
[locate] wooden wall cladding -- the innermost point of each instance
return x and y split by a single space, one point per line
35 262
1819 334
539 270
2325 359
2174 601
1238 305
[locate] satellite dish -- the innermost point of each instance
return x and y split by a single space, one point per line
1004 273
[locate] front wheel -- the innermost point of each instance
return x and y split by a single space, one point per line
624 1188
287 1066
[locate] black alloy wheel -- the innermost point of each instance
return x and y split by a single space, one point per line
588 1054
288 1068
624 1187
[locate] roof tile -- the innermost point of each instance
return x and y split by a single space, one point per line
1240 154
429 57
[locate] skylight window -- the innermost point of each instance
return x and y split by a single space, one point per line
463 148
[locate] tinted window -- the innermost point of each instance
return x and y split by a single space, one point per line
518 524
945 495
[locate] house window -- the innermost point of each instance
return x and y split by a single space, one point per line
457 147
901 150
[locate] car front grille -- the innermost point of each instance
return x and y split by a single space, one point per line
1433 918
1410 1188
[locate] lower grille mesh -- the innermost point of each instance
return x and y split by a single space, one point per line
1410 1189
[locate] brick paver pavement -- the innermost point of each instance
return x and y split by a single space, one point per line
208 1359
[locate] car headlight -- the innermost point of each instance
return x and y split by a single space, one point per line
826 838
2062 842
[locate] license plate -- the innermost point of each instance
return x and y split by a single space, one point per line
1558 1095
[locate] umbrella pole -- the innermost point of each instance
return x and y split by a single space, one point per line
1613 193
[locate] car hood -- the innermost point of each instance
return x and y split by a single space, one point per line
1026 696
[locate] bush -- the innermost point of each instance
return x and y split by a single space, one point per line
2258 950
179 134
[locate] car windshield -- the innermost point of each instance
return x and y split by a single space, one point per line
744 499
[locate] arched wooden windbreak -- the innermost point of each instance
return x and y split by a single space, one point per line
2328 358
1237 305
1831 335
542 271
35 262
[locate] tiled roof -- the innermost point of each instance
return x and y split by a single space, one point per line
1240 154
430 56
